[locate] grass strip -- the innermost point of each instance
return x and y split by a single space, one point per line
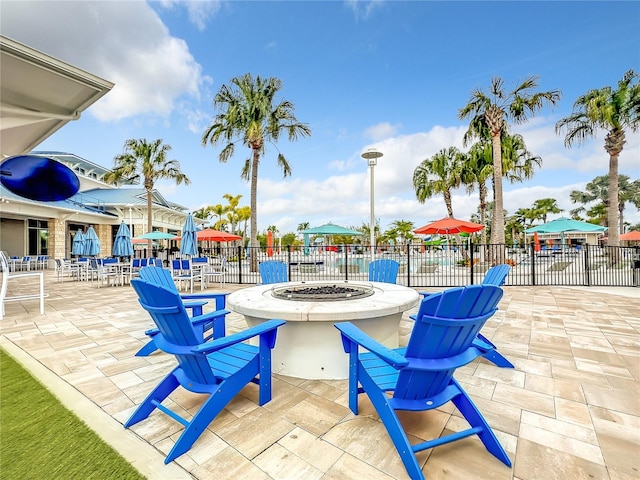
41 439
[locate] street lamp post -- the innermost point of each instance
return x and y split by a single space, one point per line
130 221
372 156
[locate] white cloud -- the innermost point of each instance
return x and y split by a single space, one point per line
381 131
363 9
128 46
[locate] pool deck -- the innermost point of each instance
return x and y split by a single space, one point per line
569 410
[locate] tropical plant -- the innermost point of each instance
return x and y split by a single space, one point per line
248 113
439 174
614 111
493 111
543 207
597 190
146 161
404 230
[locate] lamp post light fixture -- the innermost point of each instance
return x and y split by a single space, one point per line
372 156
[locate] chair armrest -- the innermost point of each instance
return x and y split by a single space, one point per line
352 334
207 317
220 343
447 363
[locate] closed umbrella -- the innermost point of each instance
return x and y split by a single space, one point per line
78 243
270 243
91 243
122 246
189 241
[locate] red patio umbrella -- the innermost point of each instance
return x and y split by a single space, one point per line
449 226
633 235
217 235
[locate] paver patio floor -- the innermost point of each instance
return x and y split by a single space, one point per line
569 410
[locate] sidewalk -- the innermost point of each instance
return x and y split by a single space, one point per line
569 409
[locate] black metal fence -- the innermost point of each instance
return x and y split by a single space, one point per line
421 266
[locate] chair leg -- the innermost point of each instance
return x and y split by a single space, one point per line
157 395
492 354
147 349
471 413
395 430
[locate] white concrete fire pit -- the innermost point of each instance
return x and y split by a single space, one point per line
308 345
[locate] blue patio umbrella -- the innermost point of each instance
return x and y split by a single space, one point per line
91 243
122 246
78 243
189 242
38 178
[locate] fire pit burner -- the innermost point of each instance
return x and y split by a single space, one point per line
325 292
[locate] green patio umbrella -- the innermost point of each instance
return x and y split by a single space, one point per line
563 224
330 229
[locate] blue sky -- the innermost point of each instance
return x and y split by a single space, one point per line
384 74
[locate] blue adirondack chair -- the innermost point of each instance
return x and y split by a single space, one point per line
162 277
273 271
421 375
384 270
495 276
219 368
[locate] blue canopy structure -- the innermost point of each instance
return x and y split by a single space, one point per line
78 243
156 235
189 242
122 246
91 243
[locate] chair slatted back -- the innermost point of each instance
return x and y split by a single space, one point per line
168 313
496 275
273 271
384 270
158 276
446 325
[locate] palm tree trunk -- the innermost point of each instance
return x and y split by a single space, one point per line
254 210
613 233
497 224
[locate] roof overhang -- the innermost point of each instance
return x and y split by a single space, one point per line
40 94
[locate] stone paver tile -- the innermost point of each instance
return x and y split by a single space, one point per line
619 438
229 464
526 400
368 440
509 376
540 462
242 434
573 412
315 414
349 467
618 400
561 443
278 462
570 430
315 451
566 389
499 416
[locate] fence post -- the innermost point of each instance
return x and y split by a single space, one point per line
239 255
587 270
471 261
532 255
408 247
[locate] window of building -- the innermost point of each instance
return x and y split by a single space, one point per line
38 237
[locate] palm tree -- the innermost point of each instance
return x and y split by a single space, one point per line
218 210
147 161
248 114
439 174
544 207
597 190
403 229
614 111
492 111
